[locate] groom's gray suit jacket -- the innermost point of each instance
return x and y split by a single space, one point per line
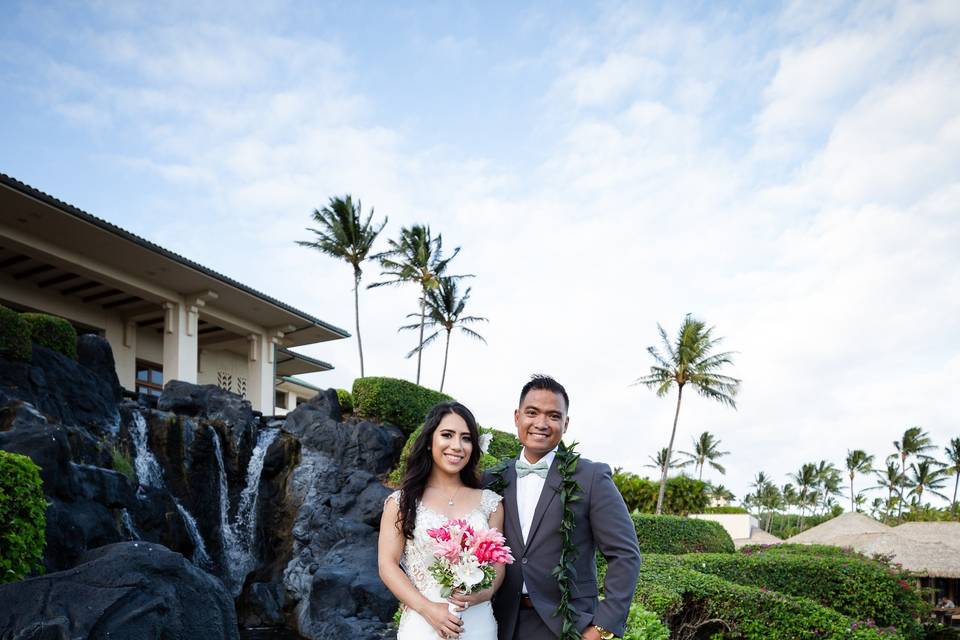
601 522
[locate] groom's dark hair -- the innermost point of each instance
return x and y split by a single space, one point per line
542 382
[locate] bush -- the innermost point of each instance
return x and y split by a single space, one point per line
725 510
695 604
397 402
52 332
682 495
676 535
22 516
850 583
14 336
503 445
644 625
345 400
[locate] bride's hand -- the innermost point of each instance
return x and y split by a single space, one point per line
464 600
445 623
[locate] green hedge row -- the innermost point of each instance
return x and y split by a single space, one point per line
676 535
398 402
850 584
715 607
14 336
682 495
22 516
18 330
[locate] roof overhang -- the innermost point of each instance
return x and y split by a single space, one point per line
57 240
291 363
289 383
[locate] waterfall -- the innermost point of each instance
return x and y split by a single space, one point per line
149 473
200 556
148 469
127 522
239 537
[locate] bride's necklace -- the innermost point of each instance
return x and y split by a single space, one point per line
450 502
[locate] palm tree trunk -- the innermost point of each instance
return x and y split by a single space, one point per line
955 482
769 520
903 485
700 477
852 507
356 315
423 317
673 434
446 352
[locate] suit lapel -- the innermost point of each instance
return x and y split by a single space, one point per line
549 492
512 516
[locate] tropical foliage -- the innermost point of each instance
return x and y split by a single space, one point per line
706 450
689 359
22 517
683 495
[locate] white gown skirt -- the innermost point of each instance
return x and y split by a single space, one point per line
478 624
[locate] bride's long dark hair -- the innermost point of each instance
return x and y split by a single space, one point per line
420 463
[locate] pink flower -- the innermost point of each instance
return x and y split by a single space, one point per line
440 533
448 549
488 548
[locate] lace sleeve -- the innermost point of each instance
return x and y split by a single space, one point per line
489 500
395 496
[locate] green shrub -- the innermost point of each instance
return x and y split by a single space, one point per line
695 604
729 509
682 495
398 402
345 400
503 445
676 535
22 516
644 625
52 332
14 336
850 584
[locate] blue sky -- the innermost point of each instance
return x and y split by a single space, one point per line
786 171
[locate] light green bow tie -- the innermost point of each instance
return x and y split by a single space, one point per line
525 468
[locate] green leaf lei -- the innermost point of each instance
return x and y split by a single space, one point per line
565 571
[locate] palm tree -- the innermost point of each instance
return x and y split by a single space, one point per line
890 480
706 449
827 482
857 462
445 310
806 479
953 466
689 360
721 493
343 235
771 499
790 499
660 461
926 475
914 442
417 257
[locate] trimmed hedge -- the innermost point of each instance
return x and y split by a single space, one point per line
682 495
22 516
398 402
728 509
345 400
14 336
676 535
850 584
692 602
52 332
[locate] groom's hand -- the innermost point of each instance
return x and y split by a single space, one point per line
590 633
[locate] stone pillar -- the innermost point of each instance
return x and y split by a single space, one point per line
122 336
180 342
260 367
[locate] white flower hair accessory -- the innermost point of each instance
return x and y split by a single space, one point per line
485 440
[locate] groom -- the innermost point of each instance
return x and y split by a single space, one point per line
526 601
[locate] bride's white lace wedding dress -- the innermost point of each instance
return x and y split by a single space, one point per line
478 620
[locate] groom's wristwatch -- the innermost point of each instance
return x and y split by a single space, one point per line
604 634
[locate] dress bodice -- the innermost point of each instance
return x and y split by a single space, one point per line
418 553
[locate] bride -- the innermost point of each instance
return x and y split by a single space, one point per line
440 484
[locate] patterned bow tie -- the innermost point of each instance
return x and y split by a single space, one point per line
525 468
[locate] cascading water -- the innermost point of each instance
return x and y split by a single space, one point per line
148 469
150 474
128 525
239 537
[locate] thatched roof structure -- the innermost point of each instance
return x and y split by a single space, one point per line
757 536
919 548
843 526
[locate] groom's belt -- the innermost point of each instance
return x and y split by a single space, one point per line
525 601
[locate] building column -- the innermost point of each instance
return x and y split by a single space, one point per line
180 342
122 336
260 370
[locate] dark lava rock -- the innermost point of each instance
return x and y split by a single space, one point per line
94 353
62 389
135 591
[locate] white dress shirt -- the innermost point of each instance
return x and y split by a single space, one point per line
529 488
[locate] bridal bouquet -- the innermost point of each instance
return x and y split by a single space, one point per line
465 558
